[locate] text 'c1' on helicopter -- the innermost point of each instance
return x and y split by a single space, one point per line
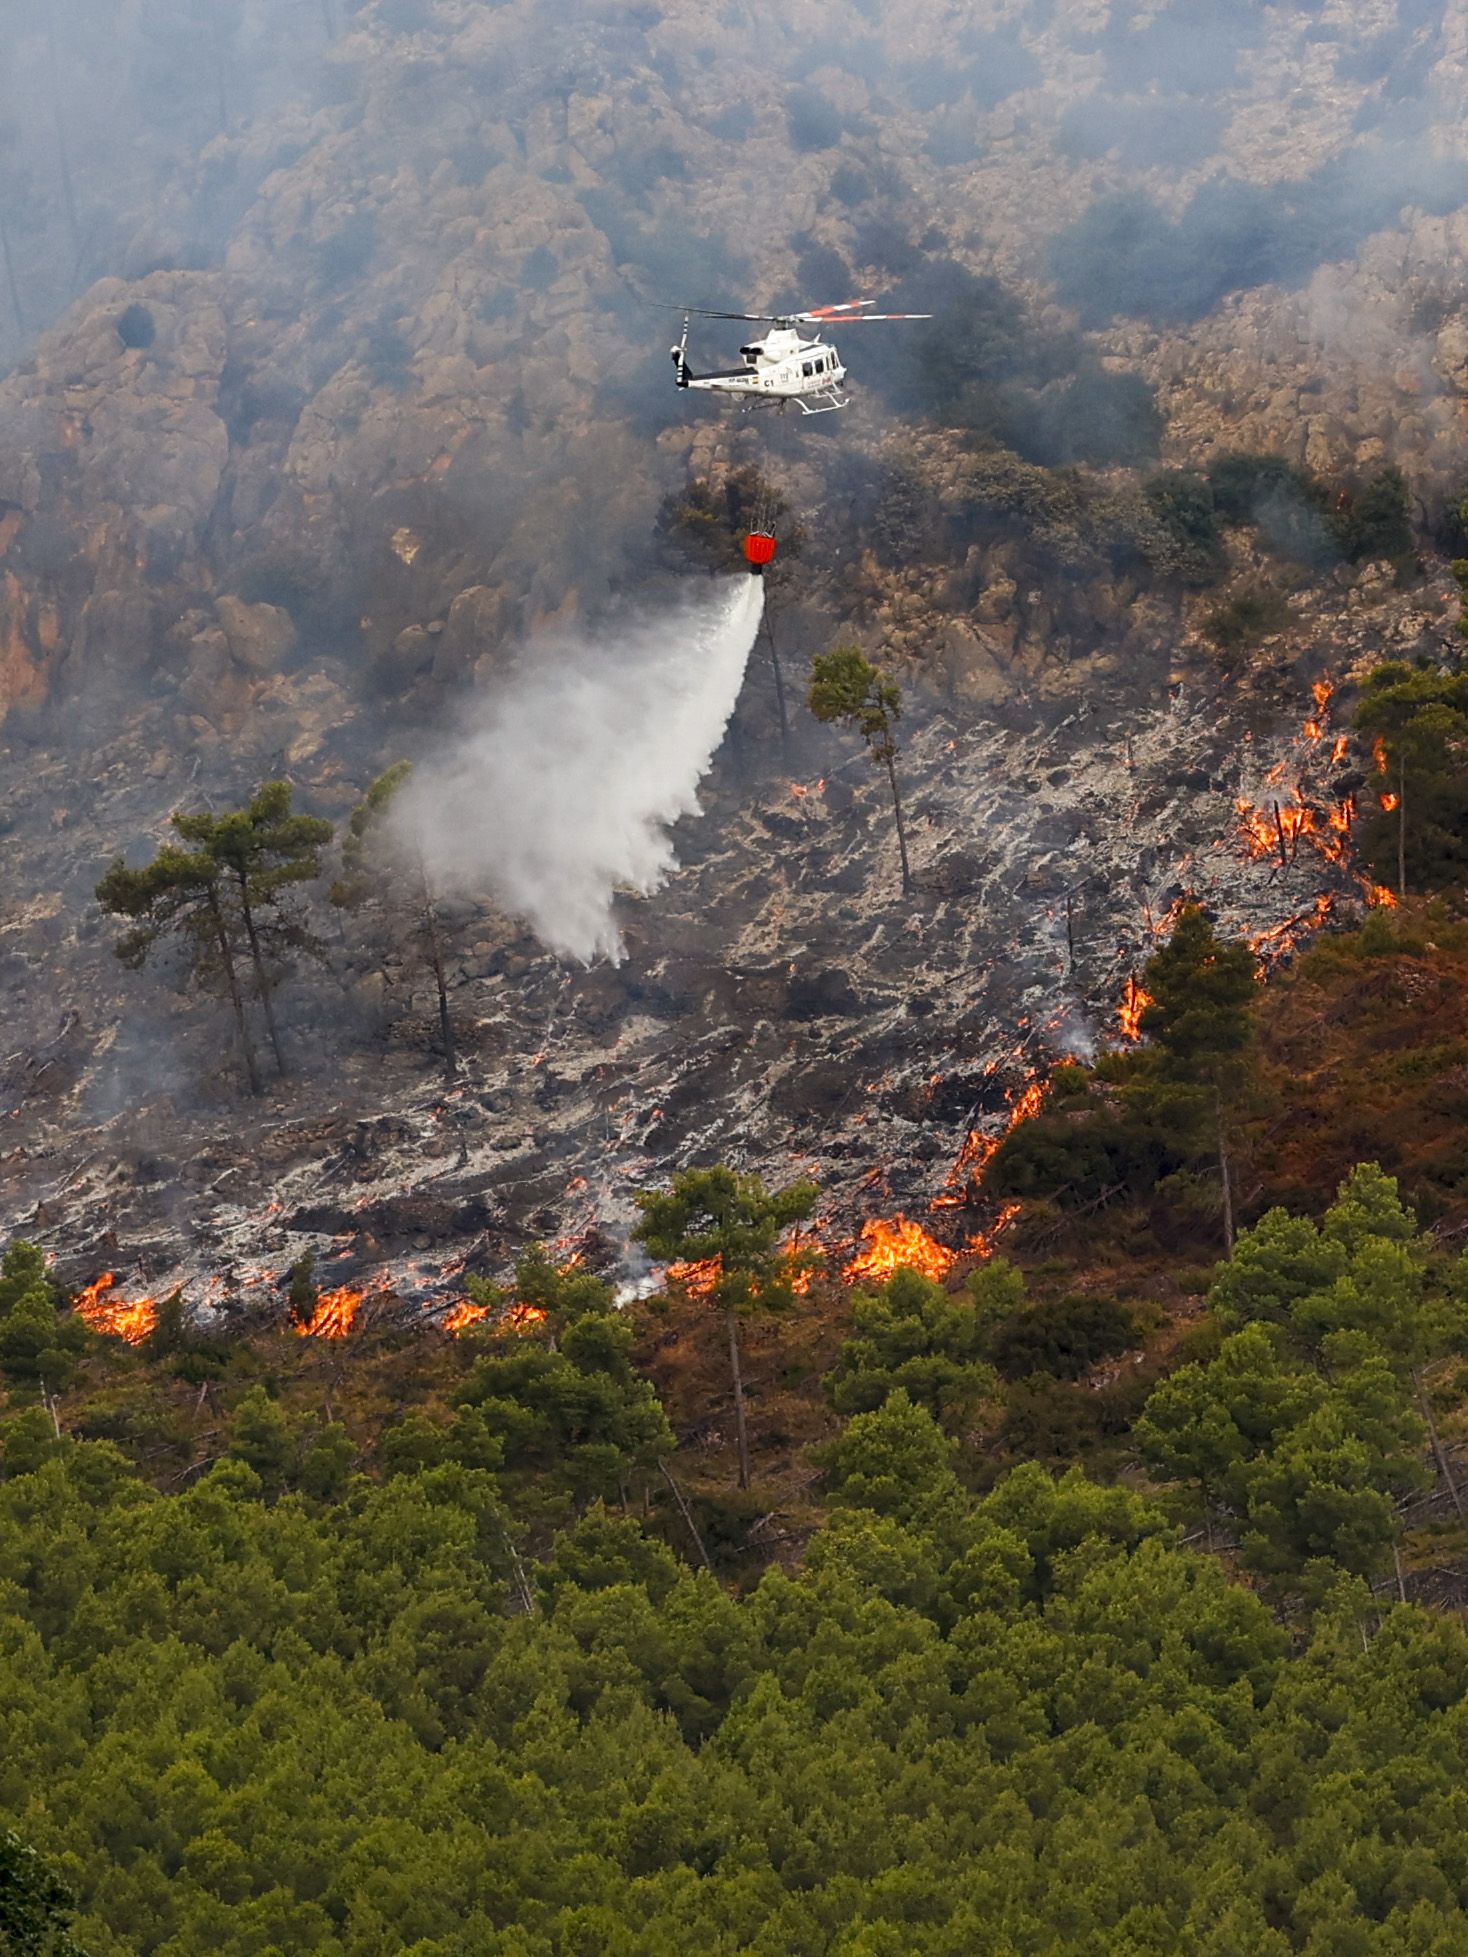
785 365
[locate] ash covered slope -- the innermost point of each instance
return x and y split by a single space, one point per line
781 1006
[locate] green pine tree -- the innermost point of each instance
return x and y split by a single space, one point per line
180 894
264 850
847 688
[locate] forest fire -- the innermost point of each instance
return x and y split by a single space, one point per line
1287 935
898 1244
697 1279
979 1150
984 1243
466 1313
1322 690
130 1319
1277 830
1134 1002
334 1315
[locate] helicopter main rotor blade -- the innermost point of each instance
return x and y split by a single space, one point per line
866 319
705 312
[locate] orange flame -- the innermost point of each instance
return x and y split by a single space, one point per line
898 1244
697 1279
1134 1002
1339 751
1380 898
335 1314
1282 826
1390 800
1285 936
131 1319
465 1314
984 1242
1379 755
1163 926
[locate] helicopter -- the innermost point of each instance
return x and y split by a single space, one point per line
785 364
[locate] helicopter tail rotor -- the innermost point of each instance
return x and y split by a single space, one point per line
680 357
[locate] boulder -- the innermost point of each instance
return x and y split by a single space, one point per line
471 643
261 637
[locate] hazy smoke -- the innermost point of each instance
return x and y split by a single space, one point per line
568 784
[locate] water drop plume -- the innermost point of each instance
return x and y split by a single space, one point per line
565 787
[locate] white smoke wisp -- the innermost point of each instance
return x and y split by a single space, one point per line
566 785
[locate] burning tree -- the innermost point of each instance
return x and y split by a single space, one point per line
378 877
719 1233
846 687
223 896
1417 828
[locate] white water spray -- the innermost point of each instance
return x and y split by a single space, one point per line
568 782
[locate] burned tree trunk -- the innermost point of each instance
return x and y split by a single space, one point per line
687 1514
236 998
901 830
435 960
262 982
1439 1452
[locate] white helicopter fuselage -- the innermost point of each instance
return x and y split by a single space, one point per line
783 366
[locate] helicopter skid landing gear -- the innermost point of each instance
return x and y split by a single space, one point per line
821 404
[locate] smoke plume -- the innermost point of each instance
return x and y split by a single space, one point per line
568 783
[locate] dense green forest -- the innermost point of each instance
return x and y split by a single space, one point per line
239 1720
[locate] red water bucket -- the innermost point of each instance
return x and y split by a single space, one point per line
759 548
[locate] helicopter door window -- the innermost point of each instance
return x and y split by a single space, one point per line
806 370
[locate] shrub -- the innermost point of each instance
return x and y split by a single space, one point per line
1062 1337
1376 521
1247 618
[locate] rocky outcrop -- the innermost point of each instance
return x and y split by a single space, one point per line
421 405
110 470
